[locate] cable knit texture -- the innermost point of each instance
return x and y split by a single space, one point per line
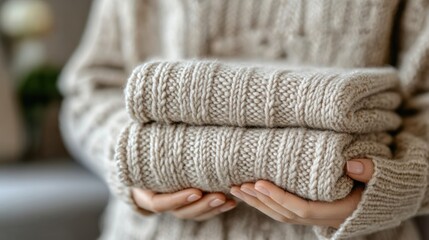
301 31
419 126
168 158
346 34
352 100
394 193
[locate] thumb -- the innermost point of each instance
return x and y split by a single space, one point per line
360 169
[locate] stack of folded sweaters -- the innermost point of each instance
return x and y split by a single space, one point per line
212 125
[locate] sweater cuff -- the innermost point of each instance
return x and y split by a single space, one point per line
393 195
128 198
124 194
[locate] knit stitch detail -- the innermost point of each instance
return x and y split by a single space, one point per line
394 193
310 163
216 93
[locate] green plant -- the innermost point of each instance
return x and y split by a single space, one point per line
37 89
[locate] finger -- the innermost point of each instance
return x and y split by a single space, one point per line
205 204
339 209
284 218
269 201
310 221
360 169
229 205
303 208
165 202
254 202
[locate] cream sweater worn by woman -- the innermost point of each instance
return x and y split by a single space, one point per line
312 77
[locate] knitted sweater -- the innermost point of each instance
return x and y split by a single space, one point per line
352 100
310 163
124 34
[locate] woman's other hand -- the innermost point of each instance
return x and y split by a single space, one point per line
186 204
289 208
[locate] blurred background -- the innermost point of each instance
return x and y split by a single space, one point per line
44 194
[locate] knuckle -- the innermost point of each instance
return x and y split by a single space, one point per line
304 213
219 196
139 202
283 219
157 208
253 204
283 202
291 216
138 198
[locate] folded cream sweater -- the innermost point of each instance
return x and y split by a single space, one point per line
349 33
168 158
310 163
207 92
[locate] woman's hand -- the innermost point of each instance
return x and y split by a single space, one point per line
186 204
289 208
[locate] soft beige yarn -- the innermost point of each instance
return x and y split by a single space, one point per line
219 93
348 34
168 158
398 184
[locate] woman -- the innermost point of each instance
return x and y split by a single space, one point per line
123 34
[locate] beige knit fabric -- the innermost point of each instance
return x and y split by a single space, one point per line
242 223
206 93
419 126
299 30
414 47
310 163
395 192
349 33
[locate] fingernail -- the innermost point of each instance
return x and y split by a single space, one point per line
227 208
248 191
193 198
355 167
237 194
262 190
216 203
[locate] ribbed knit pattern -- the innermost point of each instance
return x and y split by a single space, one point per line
414 56
394 193
206 93
300 30
168 158
353 34
109 112
121 222
419 126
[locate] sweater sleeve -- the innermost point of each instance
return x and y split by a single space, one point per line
413 47
419 126
394 194
398 189
93 111
413 64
